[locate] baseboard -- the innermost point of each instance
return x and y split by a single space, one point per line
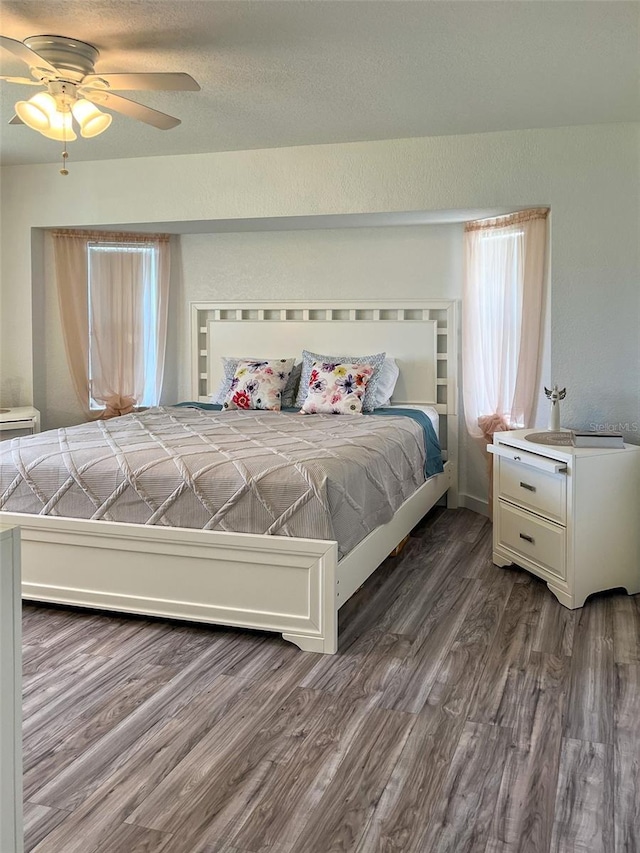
478 505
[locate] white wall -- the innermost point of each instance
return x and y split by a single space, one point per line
588 175
404 262
361 263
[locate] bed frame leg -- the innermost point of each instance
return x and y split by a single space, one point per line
399 547
323 608
324 645
325 617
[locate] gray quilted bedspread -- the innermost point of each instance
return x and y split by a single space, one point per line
316 476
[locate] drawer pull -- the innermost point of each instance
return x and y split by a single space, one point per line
528 487
527 538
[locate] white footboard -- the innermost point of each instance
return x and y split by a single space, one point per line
273 583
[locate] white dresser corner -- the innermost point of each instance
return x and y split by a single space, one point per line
11 692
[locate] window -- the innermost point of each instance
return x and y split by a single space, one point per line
499 305
501 320
113 291
123 304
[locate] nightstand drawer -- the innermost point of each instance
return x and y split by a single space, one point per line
540 491
538 541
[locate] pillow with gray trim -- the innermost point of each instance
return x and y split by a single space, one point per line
307 366
259 384
230 365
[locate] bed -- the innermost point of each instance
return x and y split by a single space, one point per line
281 581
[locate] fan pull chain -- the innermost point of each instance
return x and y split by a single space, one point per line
65 153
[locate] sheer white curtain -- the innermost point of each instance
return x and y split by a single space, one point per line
504 262
113 294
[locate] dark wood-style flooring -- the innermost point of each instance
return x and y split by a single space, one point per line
465 711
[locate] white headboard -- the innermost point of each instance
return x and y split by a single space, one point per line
421 335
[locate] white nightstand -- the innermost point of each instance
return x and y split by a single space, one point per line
569 515
22 420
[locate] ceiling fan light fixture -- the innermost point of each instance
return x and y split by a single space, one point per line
38 112
91 120
65 67
60 128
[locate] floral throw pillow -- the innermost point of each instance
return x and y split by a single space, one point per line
259 384
230 364
336 389
308 358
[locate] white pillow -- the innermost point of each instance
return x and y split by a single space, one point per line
387 378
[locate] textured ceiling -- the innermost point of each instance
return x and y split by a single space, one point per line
295 73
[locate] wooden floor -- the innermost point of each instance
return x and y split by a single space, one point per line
466 711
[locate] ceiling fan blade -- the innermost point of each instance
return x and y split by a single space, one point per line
32 59
16 120
160 81
132 109
24 81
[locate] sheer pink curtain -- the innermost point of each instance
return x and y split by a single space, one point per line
70 253
113 296
504 262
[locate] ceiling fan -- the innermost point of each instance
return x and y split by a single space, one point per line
73 91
